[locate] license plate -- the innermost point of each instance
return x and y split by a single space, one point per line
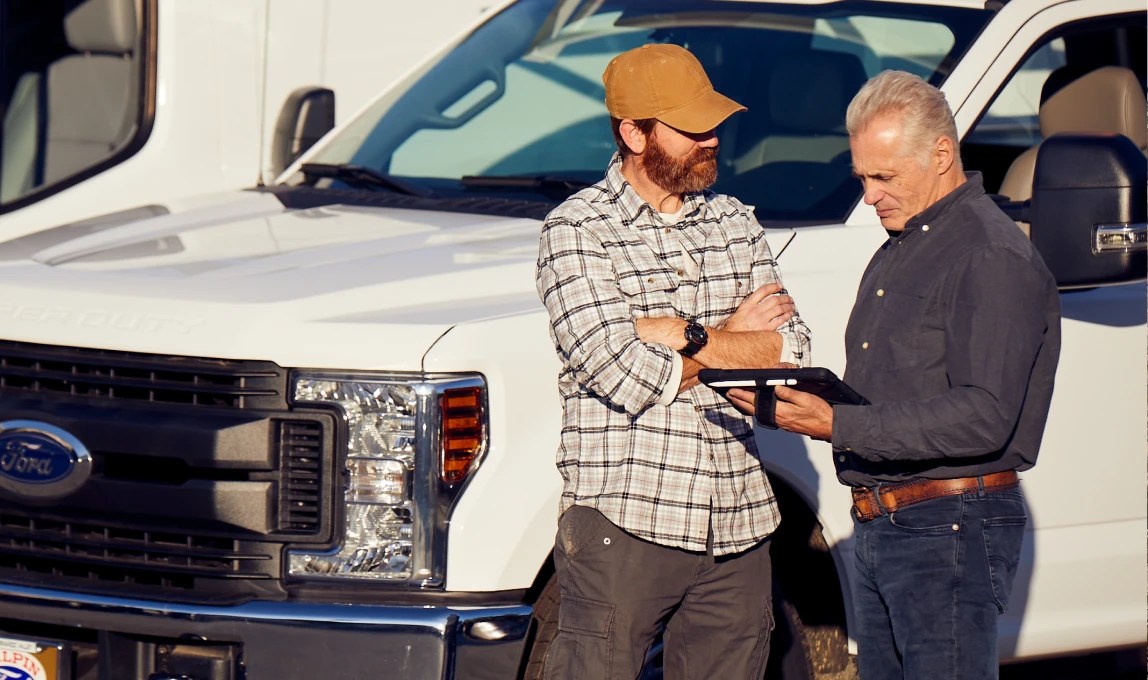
29 659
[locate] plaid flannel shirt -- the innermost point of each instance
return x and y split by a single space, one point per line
660 465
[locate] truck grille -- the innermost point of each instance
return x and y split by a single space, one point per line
36 544
156 378
202 474
301 482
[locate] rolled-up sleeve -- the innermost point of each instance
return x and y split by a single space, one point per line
592 323
796 346
994 328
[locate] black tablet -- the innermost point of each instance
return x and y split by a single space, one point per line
819 381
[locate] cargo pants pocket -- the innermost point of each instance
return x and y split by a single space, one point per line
583 648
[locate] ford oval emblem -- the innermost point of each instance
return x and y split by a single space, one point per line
41 462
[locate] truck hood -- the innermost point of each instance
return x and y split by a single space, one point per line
335 286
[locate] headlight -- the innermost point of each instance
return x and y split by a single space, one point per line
411 443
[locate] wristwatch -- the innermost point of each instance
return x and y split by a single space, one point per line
696 339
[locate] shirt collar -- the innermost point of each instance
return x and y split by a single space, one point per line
632 206
973 187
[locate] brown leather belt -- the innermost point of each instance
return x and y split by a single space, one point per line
869 501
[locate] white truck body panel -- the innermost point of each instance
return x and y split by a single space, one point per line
278 284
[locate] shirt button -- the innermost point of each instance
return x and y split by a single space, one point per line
650 280
841 458
739 284
679 272
880 292
865 345
925 228
667 230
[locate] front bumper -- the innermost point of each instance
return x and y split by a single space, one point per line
121 639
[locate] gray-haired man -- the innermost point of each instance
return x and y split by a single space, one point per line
954 338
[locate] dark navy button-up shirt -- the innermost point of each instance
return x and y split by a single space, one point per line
954 338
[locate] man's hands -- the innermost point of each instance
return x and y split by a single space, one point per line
742 399
746 400
803 413
795 411
748 338
765 309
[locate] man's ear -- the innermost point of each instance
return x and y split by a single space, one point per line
944 154
632 137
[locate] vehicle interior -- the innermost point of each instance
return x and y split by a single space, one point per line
70 88
522 98
1089 78
515 112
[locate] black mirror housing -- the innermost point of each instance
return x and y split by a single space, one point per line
1088 210
307 115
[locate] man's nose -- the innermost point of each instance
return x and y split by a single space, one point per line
872 194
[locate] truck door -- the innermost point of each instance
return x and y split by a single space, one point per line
1090 554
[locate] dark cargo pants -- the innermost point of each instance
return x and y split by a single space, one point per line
617 590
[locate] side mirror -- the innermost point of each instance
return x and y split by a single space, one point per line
1088 210
307 115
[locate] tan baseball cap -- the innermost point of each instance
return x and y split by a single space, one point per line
668 83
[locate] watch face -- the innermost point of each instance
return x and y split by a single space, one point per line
696 333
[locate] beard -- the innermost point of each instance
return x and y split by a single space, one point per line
693 173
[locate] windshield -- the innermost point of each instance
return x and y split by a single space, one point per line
522 96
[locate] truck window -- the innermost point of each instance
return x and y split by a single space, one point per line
1012 118
888 42
523 95
72 90
1011 124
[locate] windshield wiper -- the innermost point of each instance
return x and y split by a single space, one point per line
359 175
527 182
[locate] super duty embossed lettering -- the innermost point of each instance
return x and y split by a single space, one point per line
93 318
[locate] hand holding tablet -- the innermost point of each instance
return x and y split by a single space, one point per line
818 381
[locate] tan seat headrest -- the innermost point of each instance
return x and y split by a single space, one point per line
1108 99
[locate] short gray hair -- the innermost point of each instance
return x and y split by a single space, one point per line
924 112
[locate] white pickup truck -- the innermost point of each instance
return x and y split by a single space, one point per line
309 430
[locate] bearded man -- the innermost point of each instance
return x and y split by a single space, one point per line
666 511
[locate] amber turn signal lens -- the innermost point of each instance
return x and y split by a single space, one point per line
462 433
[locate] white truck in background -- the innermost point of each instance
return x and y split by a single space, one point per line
308 429
107 104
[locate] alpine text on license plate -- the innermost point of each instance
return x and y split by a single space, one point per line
29 660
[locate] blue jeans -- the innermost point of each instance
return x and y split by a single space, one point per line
932 579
